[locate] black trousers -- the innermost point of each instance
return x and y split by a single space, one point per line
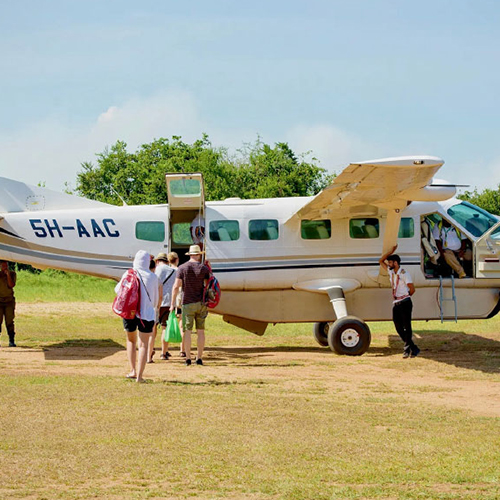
401 315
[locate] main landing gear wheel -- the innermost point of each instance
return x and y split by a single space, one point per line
320 332
349 335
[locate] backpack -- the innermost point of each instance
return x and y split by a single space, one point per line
212 293
128 297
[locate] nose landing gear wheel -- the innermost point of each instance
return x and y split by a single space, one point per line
349 335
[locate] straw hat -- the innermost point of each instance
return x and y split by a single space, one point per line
162 256
194 250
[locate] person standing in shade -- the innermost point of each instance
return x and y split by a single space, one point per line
192 277
402 290
7 300
145 320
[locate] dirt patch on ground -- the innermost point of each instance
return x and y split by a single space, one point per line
446 379
102 309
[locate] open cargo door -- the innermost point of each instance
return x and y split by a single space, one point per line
186 199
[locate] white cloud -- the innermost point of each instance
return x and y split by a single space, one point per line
52 151
333 147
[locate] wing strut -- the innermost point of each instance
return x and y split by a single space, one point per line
390 239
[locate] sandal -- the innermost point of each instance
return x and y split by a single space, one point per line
164 357
182 354
151 359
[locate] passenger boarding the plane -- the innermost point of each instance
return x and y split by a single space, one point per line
452 246
198 231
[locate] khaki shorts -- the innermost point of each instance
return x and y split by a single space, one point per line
191 313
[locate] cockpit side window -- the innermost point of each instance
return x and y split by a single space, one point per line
476 220
495 235
406 228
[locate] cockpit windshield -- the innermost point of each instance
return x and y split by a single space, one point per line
476 220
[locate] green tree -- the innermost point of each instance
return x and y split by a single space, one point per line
258 171
489 199
266 172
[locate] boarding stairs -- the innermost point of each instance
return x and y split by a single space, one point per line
443 299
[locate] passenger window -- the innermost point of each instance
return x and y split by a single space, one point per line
406 228
364 228
224 230
181 233
263 229
150 230
315 229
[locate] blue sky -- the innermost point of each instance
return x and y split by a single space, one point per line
350 81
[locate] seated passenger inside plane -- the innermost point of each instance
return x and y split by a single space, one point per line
452 246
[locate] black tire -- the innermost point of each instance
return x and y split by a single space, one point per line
349 335
320 332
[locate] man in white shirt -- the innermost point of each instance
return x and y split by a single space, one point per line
451 244
402 306
198 230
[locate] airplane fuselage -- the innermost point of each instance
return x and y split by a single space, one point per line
271 280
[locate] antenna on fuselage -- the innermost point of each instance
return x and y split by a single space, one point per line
113 190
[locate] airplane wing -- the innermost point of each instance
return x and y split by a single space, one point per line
390 183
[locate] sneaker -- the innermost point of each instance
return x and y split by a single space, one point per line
12 344
406 355
168 355
182 354
415 353
164 357
199 361
188 362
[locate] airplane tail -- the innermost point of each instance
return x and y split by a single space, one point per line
17 196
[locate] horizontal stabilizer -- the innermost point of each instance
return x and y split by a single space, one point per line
17 196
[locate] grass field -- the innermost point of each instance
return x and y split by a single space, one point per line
275 417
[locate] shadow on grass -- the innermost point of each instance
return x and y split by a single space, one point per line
243 353
460 349
82 349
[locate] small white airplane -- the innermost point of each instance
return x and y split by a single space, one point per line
285 260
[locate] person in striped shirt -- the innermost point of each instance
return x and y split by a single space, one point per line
192 277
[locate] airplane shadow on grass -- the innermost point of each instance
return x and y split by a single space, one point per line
460 349
82 349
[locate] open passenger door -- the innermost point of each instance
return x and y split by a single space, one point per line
487 254
186 198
